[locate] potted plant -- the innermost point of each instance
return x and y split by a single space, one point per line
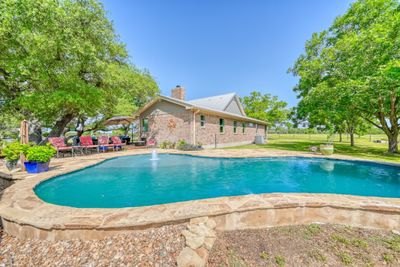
12 153
38 158
327 149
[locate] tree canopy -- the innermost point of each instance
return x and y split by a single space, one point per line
60 60
265 107
351 70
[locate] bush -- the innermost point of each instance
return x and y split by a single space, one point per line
182 145
13 151
40 153
167 145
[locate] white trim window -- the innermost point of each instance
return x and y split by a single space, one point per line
145 125
221 126
202 121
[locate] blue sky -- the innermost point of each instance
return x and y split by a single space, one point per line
218 46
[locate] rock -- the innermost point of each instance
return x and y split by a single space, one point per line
201 230
189 258
396 232
198 220
193 240
209 242
211 224
203 253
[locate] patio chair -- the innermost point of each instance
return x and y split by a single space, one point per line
59 144
117 143
87 143
151 143
104 143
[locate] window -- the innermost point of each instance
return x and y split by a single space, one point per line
202 121
243 127
145 124
221 125
234 127
256 128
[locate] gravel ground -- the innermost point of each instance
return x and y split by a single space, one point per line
313 245
153 247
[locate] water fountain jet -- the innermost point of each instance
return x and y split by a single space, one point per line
154 155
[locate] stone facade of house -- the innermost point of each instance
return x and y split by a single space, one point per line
170 122
210 135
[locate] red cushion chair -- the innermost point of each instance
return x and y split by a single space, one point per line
104 143
117 143
87 143
151 143
60 146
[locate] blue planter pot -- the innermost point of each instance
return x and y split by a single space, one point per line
36 167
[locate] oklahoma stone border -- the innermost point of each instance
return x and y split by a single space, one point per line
200 237
26 216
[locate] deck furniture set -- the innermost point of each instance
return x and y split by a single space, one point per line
86 145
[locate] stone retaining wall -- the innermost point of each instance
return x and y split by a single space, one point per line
229 213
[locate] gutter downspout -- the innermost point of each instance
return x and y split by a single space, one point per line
194 126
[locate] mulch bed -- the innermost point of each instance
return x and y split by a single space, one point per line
312 245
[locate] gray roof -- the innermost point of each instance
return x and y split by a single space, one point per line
218 102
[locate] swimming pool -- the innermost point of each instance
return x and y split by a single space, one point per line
134 181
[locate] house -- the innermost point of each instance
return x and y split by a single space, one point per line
215 121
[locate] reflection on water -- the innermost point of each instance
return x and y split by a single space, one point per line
154 165
328 166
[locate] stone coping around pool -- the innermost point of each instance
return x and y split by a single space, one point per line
26 216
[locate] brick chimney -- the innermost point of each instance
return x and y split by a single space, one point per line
178 92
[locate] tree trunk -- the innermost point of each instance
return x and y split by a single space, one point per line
351 129
393 144
340 137
351 139
36 134
80 127
60 125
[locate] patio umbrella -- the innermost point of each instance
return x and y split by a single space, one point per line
119 120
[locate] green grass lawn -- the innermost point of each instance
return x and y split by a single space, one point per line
364 147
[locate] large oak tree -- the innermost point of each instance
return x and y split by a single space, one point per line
61 59
356 63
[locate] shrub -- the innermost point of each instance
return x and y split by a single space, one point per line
40 153
167 145
13 151
182 145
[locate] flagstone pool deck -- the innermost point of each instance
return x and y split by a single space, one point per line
24 215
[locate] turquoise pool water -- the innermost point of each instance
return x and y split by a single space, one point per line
133 181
